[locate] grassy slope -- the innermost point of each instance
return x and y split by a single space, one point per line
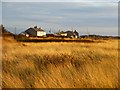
67 65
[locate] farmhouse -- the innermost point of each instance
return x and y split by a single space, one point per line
34 32
63 33
69 34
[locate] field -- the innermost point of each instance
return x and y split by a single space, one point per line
59 64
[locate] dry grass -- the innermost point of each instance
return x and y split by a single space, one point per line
60 65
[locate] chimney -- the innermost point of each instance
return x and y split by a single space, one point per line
35 26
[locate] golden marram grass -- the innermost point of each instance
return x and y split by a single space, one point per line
60 65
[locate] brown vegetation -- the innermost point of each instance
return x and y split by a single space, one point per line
56 65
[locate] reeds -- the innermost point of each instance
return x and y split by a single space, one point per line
60 65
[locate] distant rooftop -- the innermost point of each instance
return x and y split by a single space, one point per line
36 28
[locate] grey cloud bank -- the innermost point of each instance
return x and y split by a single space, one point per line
96 18
60 0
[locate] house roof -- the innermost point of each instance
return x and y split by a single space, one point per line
62 32
36 29
69 31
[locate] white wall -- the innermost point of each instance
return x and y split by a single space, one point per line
65 34
41 33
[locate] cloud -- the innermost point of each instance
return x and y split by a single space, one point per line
61 15
60 0
1 13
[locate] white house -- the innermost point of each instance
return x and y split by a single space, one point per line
69 34
63 34
35 32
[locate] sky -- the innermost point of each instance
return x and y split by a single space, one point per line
85 16
0 12
59 0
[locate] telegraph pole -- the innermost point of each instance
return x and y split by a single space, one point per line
50 30
88 33
15 30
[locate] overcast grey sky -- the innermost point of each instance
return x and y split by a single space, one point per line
59 0
93 16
